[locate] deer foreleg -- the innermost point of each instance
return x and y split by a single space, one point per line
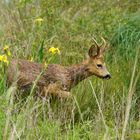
54 89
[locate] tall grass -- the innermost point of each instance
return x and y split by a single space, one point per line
127 36
99 109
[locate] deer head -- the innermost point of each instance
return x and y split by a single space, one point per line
96 64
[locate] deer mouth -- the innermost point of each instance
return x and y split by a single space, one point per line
108 76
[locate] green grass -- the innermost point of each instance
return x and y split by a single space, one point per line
98 108
127 36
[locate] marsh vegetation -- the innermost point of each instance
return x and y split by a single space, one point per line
108 110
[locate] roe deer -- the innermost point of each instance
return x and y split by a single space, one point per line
57 79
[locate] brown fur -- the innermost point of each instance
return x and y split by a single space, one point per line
55 79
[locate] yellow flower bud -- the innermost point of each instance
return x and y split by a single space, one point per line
6 47
54 50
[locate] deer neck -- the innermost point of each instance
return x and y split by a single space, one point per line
79 72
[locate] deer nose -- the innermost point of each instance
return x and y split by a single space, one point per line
108 76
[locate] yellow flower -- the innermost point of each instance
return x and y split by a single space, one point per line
39 20
54 50
9 53
6 50
6 47
3 58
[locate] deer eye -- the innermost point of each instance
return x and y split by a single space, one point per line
99 66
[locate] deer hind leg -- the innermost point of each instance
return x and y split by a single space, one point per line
54 89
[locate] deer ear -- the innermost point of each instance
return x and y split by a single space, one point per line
94 51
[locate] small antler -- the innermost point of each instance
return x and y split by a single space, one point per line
95 41
97 45
104 42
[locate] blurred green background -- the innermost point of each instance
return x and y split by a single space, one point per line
31 27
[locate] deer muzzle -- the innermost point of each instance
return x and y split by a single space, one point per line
108 76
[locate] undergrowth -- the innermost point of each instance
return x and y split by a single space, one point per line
98 108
